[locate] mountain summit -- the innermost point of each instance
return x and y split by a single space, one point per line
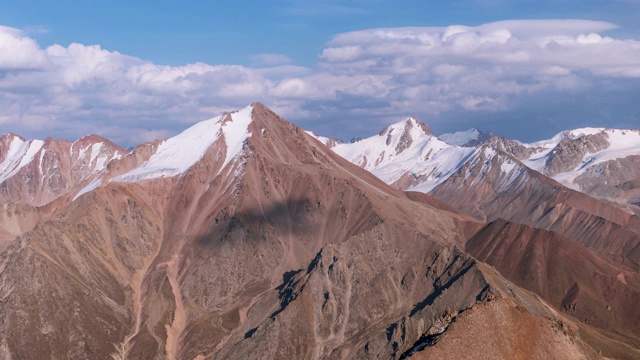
405 154
246 237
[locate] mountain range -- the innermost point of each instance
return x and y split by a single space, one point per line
246 237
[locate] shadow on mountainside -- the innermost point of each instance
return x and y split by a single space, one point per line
302 218
296 217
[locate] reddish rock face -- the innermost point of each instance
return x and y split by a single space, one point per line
522 195
37 177
37 172
492 183
565 273
288 250
285 250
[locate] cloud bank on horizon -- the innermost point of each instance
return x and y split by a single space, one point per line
517 78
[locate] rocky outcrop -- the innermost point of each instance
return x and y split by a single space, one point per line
615 180
512 148
484 188
37 172
570 152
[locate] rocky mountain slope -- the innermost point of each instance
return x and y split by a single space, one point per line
244 237
36 172
600 162
563 272
597 161
526 184
494 185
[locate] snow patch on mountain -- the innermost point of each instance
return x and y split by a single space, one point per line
99 162
235 133
440 167
548 145
330 142
623 143
92 186
578 133
43 152
19 155
510 172
176 155
98 156
486 156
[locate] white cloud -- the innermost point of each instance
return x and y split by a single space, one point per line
375 75
479 68
18 52
295 87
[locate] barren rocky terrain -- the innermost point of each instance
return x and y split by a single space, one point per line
269 245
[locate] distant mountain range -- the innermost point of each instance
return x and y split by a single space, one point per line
247 237
597 161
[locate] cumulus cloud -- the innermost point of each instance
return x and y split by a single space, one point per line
435 71
362 81
18 52
68 91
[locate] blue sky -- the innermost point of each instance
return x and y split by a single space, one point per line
138 70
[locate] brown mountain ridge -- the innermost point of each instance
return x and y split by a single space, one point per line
284 251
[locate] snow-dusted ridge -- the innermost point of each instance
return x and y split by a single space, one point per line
92 186
176 155
406 152
622 143
21 153
330 142
406 155
425 161
90 158
36 172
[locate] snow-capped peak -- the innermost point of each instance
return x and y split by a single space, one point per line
403 134
406 152
569 154
408 124
176 155
94 152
